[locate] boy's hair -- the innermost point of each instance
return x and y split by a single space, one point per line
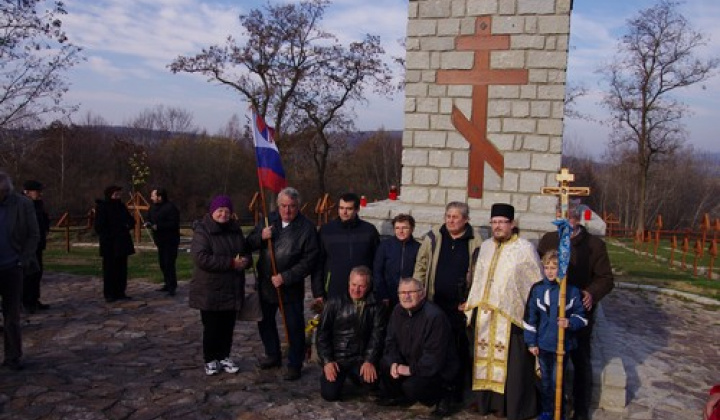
549 256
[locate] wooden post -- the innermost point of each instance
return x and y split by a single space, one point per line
563 191
685 249
698 255
704 228
136 203
658 228
713 254
673 247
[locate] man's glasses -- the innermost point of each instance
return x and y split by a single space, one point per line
409 292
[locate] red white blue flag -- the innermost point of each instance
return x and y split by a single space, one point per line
269 167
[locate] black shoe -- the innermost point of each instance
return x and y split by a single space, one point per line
443 409
292 374
392 401
42 306
269 363
125 297
15 364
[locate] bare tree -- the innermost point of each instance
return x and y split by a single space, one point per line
34 54
655 58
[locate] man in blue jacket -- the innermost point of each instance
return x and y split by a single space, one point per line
395 260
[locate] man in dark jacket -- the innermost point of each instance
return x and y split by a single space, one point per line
295 248
394 260
19 236
31 284
590 271
345 242
419 362
350 336
164 222
113 223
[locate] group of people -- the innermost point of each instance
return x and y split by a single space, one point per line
426 321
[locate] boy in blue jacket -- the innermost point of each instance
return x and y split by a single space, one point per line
541 326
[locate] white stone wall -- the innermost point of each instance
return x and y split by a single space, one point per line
525 122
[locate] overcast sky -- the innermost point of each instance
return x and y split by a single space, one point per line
129 43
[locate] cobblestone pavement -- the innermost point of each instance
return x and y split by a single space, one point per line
141 359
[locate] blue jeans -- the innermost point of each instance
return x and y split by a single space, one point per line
294 315
547 361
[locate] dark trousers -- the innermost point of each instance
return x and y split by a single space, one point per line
332 391
31 284
458 324
11 290
295 318
581 358
167 255
427 390
218 328
548 371
114 276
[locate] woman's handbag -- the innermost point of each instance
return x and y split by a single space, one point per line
251 310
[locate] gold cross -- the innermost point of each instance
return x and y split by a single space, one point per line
564 190
499 347
483 344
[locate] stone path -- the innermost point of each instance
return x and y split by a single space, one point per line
141 359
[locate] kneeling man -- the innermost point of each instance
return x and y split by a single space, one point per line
419 362
350 336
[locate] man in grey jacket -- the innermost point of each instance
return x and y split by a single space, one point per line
19 236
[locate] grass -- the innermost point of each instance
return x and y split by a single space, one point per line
643 269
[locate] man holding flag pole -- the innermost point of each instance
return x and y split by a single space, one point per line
288 252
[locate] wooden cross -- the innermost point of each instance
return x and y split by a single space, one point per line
137 203
564 190
480 77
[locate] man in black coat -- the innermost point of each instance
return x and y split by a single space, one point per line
345 242
419 362
350 336
590 271
295 249
164 223
31 283
113 223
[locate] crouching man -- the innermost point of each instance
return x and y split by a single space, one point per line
350 336
420 361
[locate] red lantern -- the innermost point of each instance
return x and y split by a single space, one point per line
363 201
587 214
393 193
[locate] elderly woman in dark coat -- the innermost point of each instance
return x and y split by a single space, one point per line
217 289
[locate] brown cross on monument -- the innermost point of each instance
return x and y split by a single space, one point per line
480 77
564 190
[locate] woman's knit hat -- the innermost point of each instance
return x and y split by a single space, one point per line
221 201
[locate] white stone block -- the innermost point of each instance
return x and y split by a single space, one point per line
527 42
426 176
428 105
503 92
502 141
528 92
416 89
557 76
499 108
457 8
550 43
413 194
520 202
465 106
463 60
510 181
407 138
412 44
494 125
551 92
536 7
558 108
520 109
453 178
532 182
460 91
508 25
506 7
552 127
437 43
544 204
415 157
546 60
482 7
467 25
533 220
536 143
417 60
460 159
556 145
546 162
421 27
540 109
435 59
554 24
413 10
519 125
517 160
431 139
531 25
417 121
446 105
434 9
412 76
410 104
457 141
563 6
537 76
441 122
492 180
438 196
448 27
507 59
406 175
440 158
457 194
492 197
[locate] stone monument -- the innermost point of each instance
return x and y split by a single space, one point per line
484 102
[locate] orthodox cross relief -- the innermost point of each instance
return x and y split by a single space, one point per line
474 130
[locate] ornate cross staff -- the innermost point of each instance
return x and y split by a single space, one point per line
564 191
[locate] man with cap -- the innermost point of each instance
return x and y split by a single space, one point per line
503 370
31 282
